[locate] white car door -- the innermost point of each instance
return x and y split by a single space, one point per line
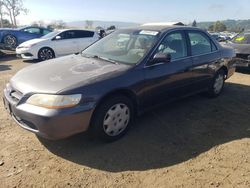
65 43
86 38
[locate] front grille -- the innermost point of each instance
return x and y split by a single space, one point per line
13 93
16 95
28 54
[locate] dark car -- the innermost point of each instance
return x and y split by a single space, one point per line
11 38
217 37
103 88
241 45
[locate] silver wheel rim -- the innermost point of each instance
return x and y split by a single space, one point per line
10 41
46 54
116 119
218 84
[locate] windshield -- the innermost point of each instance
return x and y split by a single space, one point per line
124 46
242 38
51 35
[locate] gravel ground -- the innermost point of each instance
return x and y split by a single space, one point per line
195 142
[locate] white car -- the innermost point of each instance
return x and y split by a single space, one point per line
56 44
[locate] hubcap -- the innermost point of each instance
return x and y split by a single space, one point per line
218 84
116 119
46 54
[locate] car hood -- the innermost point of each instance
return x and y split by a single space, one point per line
8 29
239 48
32 42
59 74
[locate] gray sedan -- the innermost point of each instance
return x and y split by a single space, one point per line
103 88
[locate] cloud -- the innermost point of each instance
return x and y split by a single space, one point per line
216 7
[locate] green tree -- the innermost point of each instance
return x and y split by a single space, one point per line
1 13
217 27
14 8
211 28
194 24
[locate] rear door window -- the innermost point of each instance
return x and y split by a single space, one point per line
200 43
84 34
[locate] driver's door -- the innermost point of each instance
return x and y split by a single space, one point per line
166 81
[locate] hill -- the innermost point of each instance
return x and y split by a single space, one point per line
233 25
104 24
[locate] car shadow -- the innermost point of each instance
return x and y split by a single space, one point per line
5 67
7 55
244 70
166 136
31 61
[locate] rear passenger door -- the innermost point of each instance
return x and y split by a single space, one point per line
85 38
205 56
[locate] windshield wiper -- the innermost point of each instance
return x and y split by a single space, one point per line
105 59
100 57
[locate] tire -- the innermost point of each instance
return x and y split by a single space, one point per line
217 84
10 41
112 118
45 54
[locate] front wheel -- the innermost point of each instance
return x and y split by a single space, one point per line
112 118
45 54
217 84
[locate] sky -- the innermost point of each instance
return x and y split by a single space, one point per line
138 11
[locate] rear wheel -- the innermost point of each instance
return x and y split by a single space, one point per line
112 118
46 54
10 41
217 84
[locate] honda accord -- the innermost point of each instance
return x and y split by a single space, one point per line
108 84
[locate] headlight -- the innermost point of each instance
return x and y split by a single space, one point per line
27 46
54 101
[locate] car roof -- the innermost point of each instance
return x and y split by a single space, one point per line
62 30
163 28
24 27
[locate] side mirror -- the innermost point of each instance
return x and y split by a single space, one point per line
58 38
161 58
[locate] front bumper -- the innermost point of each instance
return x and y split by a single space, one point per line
26 53
51 124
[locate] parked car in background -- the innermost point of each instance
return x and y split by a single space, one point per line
217 37
103 88
241 45
57 43
11 38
